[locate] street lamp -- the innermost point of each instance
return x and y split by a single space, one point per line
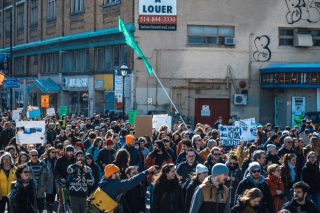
124 72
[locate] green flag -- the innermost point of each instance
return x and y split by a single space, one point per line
132 43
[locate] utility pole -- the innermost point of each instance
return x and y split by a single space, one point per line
11 58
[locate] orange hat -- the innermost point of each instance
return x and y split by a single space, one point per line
110 169
129 139
109 142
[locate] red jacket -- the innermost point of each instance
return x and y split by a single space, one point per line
151 161
275 184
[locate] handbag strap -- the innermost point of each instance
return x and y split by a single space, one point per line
163 197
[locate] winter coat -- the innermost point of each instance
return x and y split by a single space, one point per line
105 157
61 167
23 199
209 199
266 201
274 159
283 150
45 178
134 200
5 183
53 181
167 197
184 170
237 173
209 163
286 178
79 180
306 150
51 136
193 184
204 154
275 184
94 151
151 161
240 208
134 156
294 207
310 173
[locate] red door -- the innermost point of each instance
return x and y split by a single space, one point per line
208 110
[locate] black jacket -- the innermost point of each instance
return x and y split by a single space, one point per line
62 166
232 185
194 183
133 201
184 170
284 150
96 175
240 208
134 156
5 137
308 207
167 198
51 136
272 158
311 176
209 163
105 157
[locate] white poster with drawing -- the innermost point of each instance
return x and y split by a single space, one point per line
159 120
15 115
30 132
248 130
51 112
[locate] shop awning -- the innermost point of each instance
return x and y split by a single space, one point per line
298 67
44 86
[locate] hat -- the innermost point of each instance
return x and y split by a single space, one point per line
201 168
259 126
109 142
271 147
287 139
80 144
79 153
219 169
69 148
254 165
97 128
110 169
129 139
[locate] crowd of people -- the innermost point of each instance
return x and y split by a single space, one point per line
178 169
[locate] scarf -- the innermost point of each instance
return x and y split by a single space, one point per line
256 184
24 181
292 172
168 185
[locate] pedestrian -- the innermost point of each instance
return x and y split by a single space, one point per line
185 168
288 173
95 171
204 153
212 195
22 159
276 186
286 147
7 175
167 194
272 157
6 134
218 123
134 154
80 178
213 158
300 203
96 147
23 195
248 202
106 155
234 177
259 156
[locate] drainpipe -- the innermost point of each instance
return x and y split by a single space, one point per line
250 60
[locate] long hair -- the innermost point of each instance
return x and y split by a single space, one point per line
19 158
13 142
162 176
49 150
297 149
123 158
315 145
287 157
250 194
6 154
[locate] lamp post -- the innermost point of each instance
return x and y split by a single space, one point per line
124 72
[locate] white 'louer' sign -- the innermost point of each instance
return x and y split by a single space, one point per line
158 7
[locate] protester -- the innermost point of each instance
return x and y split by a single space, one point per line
204 153
234 177
249 202
106 155
185 168
134 154
95 171
96 147
288 173
122 162
213 158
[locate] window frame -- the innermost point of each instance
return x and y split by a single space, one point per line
20 16
112 57
286 37
317 38
76 7
51 12
34 9
107 3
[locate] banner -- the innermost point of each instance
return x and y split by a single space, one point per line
143 125
34 113
51 112
230 135
247 129
15 115
63 110
30 132
45 101
132 115
159 120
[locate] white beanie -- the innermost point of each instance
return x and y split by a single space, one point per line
201 168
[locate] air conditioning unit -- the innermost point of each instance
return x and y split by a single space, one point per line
240 99
302 37
229 41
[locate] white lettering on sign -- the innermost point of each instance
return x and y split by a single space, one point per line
163 7
77 82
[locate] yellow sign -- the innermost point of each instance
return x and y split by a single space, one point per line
103 82
45 101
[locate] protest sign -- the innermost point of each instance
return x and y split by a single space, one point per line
247 129
45 101
159 120
143 125
15 115
132 115
34 113
230 135
51 112
63 110
30 132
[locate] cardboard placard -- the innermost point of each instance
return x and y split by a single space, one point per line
143 125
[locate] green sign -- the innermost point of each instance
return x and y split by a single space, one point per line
63 110
297 119
132 116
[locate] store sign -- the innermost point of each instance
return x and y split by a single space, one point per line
118 88
11 83
45 101
69 82
98 84
158 15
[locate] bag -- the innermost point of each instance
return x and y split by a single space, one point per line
99 201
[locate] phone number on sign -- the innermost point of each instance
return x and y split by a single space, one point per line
157 19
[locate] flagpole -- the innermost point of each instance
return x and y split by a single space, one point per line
177 111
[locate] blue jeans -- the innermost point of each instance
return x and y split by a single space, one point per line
316 199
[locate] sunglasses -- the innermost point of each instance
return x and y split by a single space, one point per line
232 163
26 172
256 171
34 155
216 154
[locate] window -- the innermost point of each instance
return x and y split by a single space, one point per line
116 57
87 60
20 9
8 19
19 66
316 37
81 60
51 9
210 35
50 63
110 2
75 61
285 37
110 58
34 12
77 6
65 62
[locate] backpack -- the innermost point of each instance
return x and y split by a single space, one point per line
99 201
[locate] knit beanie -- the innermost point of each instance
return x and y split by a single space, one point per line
110 169
79 153
271 147
109 142
254 165
201 168
129 139
80 144
69 148
219 169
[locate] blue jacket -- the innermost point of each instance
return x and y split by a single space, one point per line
134 156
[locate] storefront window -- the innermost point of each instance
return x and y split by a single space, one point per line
18 99
78 103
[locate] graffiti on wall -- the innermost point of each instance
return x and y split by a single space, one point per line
302 10
263 52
